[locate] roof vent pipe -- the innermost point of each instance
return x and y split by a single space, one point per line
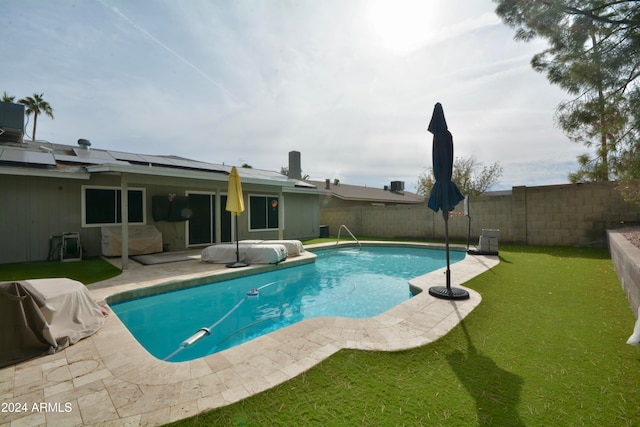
84 143
327 184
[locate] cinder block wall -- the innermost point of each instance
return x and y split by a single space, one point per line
626 260
556 215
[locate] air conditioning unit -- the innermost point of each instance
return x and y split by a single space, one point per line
11 121
397 185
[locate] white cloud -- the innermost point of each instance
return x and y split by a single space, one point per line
249 81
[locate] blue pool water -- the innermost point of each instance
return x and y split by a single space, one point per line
346 282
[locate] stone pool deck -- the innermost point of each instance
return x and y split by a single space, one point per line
109 379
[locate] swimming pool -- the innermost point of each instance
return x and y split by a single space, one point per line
346 282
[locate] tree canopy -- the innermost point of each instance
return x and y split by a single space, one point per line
285 171
471 177
594 54
36 105
7 98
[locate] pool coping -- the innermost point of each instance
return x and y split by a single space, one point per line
110 378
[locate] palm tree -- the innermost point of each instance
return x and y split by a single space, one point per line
36 105
7 98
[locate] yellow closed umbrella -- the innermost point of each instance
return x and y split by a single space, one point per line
235 201
235 205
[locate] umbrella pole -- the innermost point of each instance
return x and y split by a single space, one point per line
237 242
237 263
447 292
445 216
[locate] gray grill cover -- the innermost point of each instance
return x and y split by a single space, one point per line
43 316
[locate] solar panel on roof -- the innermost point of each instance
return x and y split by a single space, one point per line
68 158
93 154
261 174
157 160
211 166
131 157
168 161
95 160
29 157
185 163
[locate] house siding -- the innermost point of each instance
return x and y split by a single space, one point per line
302 216
34 208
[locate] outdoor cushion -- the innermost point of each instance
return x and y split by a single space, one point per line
294 247
249 253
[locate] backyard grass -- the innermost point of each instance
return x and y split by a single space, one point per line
86 271
546 347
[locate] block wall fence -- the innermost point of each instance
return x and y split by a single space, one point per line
626 260
555 215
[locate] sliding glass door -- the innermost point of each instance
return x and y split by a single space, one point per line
202 223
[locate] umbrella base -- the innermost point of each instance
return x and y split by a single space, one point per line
237 265
477 252
448 293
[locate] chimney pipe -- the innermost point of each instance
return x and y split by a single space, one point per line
295 171
327 184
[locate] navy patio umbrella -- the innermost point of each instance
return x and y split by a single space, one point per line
445 194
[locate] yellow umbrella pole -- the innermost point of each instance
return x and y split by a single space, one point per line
235 205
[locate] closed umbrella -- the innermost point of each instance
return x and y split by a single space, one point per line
235 205
445 194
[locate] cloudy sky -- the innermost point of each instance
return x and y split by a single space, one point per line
351 84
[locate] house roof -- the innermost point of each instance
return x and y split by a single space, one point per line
369 194
42 158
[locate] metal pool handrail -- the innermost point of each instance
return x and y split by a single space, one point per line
348 231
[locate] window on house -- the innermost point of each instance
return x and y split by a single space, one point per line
263 212
103 206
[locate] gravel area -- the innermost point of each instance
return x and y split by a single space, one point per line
632 235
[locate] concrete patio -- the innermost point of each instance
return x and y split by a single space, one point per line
110 379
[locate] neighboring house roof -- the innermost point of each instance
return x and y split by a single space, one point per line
42 158
369 194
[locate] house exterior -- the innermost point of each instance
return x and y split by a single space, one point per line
49 189
338 195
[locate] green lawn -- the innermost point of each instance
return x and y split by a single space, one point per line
86 271
546 347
